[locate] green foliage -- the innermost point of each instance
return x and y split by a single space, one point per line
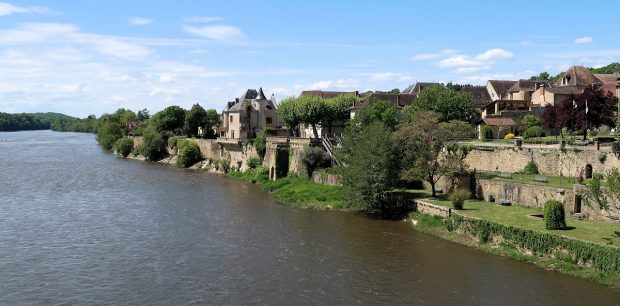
32 121
282 162
108 134
529 121
254 162
542 76
213 119
530 168
154 146
175 141
609 69
143 114
312 110
449 104
603 258
260 144
371 167
597 193
194 118
554 215
170 119
486 132
287 111
458 198
189 154
534 131
313 158
602 157
123 146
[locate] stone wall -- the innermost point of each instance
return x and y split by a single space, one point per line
432 209
322 177
549 161
295 146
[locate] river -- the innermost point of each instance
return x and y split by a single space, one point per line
81 226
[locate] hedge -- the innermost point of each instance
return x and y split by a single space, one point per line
604 258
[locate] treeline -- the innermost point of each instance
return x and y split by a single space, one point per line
29 121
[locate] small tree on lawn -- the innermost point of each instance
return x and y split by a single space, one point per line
554 215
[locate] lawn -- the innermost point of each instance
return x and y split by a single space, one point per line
552 181
517 215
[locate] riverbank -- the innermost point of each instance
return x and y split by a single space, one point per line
551 251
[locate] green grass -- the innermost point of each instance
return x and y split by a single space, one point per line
553 181
298 192
517 215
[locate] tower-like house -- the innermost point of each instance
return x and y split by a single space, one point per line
249 115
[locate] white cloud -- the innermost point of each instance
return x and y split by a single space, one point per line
221 33
140 21
202 19
494 54
387 76
9 9
583 40
430 56
199 51
338 84
165 78
321 85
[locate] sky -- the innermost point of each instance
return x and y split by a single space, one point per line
92 57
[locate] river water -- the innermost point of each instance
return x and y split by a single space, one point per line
81 226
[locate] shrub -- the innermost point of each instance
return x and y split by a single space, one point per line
530 168
534 131
254 162
108 134
458 198
313 158
123 146
554 215
602 157
189 154
486 132
154 146
509 136
260 143
175 141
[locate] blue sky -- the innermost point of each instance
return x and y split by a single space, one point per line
83 57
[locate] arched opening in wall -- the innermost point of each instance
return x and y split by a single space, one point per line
577 207
588 171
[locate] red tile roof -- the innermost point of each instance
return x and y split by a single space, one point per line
499 121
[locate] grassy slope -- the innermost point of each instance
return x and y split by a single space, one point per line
298 192
517 215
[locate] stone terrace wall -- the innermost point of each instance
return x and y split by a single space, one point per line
525 194
549 161
432 209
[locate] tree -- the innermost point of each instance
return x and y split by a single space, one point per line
370 172
394 91
450 105
338 109
195 118
213 120
550 117
542 76
421 144
170 119
123 146
248 108
189 154
313 158
312 110
287 111
153 147
609 69
529 121
601 106
108 134
143 114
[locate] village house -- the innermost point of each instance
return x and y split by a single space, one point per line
337 128
398 100
249 115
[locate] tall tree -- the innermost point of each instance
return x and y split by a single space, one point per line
287 111
143 114
422 141
338 109
170 119
312 110
450 105
213 120
369 175
195 118
601 109
550 117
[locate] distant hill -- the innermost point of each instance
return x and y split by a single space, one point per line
30 121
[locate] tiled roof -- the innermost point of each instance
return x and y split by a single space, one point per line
499 121
564 90
327 94
578 76
501 86
612 78
480 94
417 87
399 100
527 85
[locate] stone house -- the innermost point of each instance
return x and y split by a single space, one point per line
249 116
500 126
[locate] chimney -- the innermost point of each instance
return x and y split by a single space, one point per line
236 100
357 93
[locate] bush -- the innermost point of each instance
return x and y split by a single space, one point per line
189 154
554 215
254 162
260 143
123 146
602 157
530 168
509 136
534 131
486 132
312 158
154 146
108 134
175 141
458 198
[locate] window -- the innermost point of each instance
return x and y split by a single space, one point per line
232 133
231 119
269 120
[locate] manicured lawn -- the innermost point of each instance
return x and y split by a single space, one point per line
517 215
552 181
